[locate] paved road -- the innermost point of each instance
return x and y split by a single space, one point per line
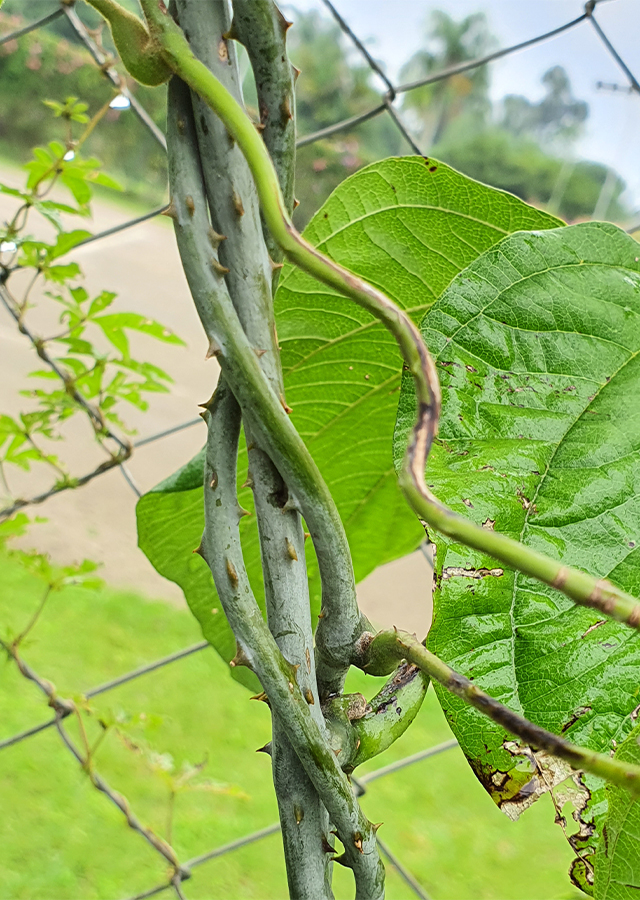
98 520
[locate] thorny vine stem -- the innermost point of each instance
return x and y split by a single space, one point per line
195 132
278 677
242 381
172 46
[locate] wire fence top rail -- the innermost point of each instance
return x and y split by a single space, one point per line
65 708
39 23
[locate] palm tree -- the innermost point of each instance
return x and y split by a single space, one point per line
448 42
557 118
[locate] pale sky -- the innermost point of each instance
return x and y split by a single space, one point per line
393 29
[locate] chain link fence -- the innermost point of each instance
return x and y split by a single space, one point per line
63 708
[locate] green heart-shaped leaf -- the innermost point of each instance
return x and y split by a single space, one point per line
537 346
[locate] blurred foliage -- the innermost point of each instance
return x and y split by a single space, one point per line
523 147
448 42
51 63
558 116
82 375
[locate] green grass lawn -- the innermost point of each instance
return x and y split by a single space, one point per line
60 838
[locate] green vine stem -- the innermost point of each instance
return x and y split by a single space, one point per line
389 714
133 43
358 730
578 586
303 817
387 647
236 232
227 181
221 543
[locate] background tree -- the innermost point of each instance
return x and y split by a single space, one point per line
333 85
449 42
558 117
529 152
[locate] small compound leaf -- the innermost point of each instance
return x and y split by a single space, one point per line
61 274
149 370
13 192
8 426
68 240
101 302
80 294
51 210
14 527
57 149
113 326
75 345
106 181
78 187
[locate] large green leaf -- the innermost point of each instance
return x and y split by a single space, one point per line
537 348
409 226
617 867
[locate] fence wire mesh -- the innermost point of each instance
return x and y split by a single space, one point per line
65 707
